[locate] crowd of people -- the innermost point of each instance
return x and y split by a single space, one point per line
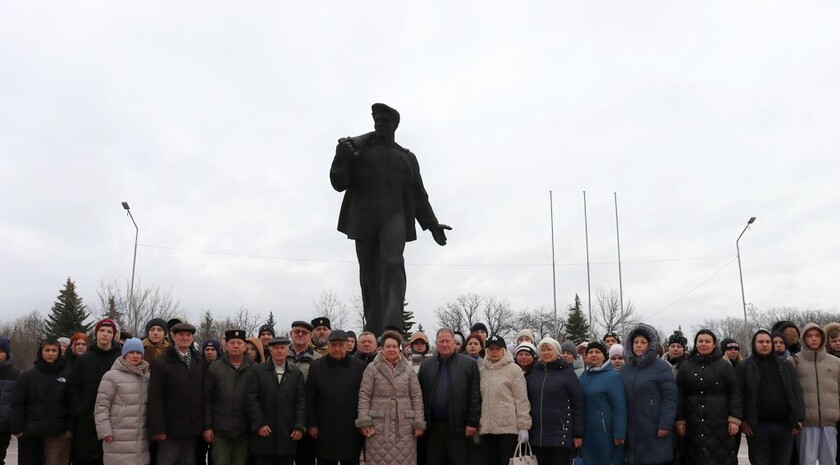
329 396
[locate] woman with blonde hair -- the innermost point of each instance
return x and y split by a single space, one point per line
557 413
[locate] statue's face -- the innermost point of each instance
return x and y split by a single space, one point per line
384 124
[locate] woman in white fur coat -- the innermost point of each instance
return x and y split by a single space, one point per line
120 409
505 409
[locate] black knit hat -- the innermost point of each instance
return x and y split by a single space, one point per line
265 328
598 345
157 322
678 338
479 327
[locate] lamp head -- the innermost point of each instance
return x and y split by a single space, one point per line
125 205
751 220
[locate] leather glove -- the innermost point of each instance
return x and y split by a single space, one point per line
523 435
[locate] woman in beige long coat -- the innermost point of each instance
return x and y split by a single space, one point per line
390 407
120 409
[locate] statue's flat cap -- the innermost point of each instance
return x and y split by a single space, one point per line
382 108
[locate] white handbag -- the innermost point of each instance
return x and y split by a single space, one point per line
523 455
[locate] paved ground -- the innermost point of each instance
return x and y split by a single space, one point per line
11 456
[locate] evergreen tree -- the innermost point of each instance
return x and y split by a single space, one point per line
577 328
270 321
68 314
207 328
407 323
113 312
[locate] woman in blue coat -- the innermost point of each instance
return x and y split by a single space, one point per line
651 393
556 406
605 409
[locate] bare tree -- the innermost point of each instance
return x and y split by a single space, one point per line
741 331
468 309
731 326
608 314
149 302
331 306
25 334
460 314
243 319
542 322
772 315
498 316
357 309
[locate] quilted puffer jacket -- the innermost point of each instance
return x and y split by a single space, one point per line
505 408
390 400
556 404
606 415
819 375
709 398
39 402
120 411
651 400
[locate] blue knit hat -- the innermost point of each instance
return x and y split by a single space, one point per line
133 345
212 342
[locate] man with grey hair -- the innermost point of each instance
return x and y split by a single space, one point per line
366 347
452 400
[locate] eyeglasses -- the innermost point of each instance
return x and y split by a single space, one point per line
300 332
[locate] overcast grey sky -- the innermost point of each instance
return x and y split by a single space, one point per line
217 122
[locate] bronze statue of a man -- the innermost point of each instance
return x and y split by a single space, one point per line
384 194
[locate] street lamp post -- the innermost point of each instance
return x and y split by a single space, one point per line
134 261
740 273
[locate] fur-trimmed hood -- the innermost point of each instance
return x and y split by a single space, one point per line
830 328
649 333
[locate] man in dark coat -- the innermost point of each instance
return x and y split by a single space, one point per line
774 408
88 371
384 194
225 383
276 406
452 400
301 356
332 399
176 401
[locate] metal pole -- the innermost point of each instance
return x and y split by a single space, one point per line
588 280
740 273
134 260
553 266
618 243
